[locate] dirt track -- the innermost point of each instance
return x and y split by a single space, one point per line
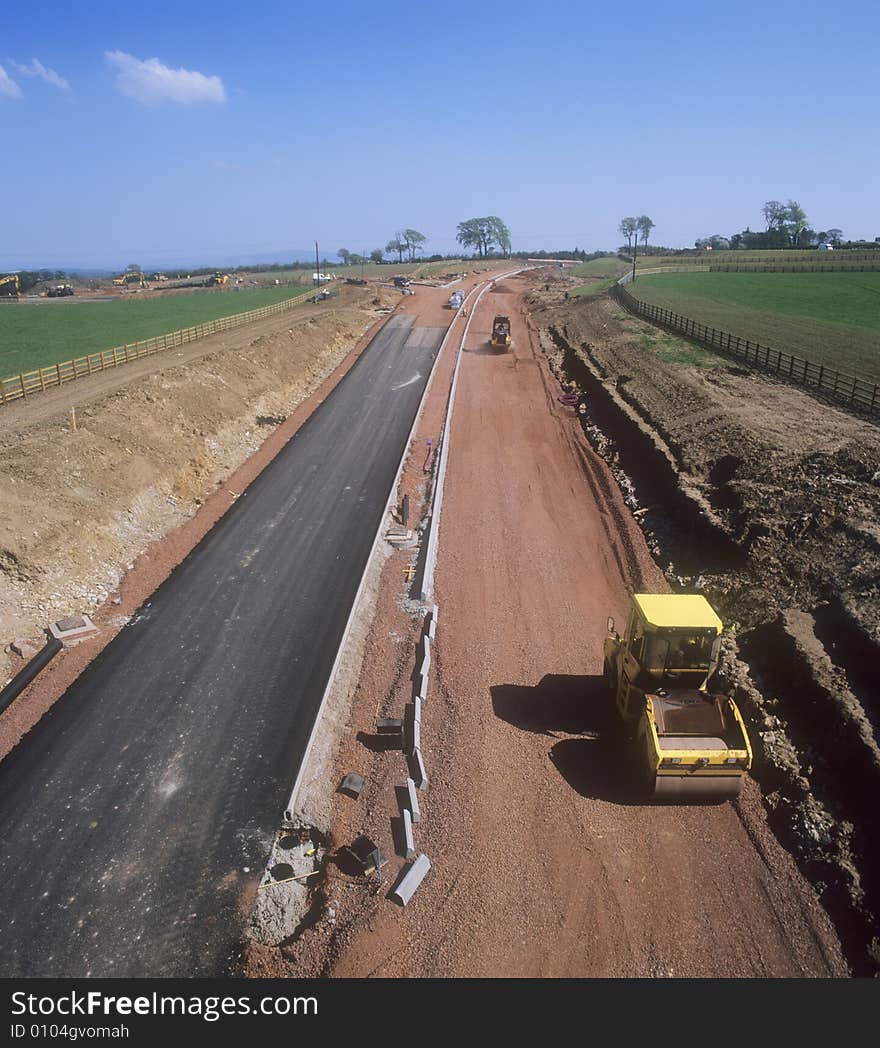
543 864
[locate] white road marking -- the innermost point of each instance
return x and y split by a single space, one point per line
409 382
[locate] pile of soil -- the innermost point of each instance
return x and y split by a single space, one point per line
772 499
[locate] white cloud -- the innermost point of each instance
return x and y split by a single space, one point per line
36 68
151 82
8 87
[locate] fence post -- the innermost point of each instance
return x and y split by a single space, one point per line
23 390
58 373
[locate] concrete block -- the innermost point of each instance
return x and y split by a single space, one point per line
412 731
409 843
71 631
417 709
431 629
389 726
413 801
420 686
411 879
426 648
419 775
352 784
425 665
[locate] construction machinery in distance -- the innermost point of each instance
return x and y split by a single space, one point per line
500 333
217 280
130 277
690 744
9 286
456 299
60 291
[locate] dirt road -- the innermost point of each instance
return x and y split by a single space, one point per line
543 864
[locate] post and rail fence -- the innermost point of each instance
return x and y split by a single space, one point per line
837 386
39 380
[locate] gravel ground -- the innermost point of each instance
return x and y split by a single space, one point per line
543 863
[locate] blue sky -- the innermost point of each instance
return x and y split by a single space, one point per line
262 127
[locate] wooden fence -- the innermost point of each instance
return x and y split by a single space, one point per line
41 379
835 385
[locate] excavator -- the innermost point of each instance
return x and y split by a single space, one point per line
9 286
500 333
130 277
691 745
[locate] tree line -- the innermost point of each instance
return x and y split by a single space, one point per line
787 226
482 235
634 229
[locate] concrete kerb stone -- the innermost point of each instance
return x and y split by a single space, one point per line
292 813
419 775
425 665
410 880
413 799
412 731
417 709
420 686
409 843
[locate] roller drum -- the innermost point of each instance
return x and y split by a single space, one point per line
696 789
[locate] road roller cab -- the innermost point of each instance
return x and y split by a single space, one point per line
691 744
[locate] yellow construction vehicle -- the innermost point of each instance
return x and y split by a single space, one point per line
131 277
9 286
691 745
500 333
218 279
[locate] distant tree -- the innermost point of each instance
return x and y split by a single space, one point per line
377 254
345 255
644 225
500 234
133 267
774 214
795 222
834 236
413 240
482 234
396 247
628 228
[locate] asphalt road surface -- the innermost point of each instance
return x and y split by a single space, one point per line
136 813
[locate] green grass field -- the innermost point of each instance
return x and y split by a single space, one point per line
830 318
600 273
756 258
612 266
40 334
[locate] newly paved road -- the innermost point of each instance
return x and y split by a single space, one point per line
130 815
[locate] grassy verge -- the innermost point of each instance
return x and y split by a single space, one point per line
41 334
830 318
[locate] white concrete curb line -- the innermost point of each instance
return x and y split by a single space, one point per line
290 808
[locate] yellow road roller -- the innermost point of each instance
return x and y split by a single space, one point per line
691 745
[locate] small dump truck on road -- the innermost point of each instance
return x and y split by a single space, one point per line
456 299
